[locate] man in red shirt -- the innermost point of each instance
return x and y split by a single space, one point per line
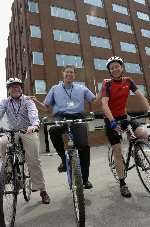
114 95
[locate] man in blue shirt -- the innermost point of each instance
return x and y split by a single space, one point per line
67 100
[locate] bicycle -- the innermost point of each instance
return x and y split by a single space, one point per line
139 150
15 176
1 201
73 167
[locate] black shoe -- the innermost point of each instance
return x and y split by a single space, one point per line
125 191
88 185
45 197
61 168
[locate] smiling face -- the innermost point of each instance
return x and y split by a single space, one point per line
68 75
15 90
116 70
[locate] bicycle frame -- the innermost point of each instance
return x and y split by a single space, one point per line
132 141
68 152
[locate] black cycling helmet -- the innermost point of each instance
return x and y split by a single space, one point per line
114 59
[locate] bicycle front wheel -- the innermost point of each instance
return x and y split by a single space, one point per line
77 189
142 162
9 190
26 182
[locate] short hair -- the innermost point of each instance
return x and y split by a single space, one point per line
69 66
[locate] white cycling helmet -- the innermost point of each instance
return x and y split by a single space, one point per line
11 81
114 59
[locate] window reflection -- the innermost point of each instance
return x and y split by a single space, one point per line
120 9
64 36
132 68
97 21
124 27
63 13
38 58
100 42
63 60
100 64
128 47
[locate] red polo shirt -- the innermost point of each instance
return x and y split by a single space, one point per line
118 92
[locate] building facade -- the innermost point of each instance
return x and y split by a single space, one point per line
45 35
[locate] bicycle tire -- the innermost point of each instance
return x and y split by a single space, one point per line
1 199
26 182
142 162
10 191
77 190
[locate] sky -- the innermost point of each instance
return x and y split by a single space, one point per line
5 17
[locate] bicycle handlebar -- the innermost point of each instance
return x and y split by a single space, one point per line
65 121
3 130
134 118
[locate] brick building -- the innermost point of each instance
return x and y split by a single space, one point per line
47 34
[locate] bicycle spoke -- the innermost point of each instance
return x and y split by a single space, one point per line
9 193
77 189
27 183
142 160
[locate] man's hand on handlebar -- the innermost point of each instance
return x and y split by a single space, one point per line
32 129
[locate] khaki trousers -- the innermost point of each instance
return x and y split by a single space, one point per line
31 146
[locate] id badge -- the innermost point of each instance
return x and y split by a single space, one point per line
70 104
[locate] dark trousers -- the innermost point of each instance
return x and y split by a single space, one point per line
80 138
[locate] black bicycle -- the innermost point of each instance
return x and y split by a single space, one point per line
74 174
15 176
139 150
2 221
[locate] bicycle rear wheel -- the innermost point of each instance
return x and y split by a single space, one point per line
142 162
77 190
9 190
26 182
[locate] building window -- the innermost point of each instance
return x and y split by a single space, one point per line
97 3
63 60
38 58
124 27
145 33
100 42
147 50
40 86
142 88
132 68
97 21
63 13
33 7
140 1
120 9
128 47
35 31
143 16
100 64
99 86
65 36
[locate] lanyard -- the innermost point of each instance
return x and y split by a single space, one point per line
14 110
69 95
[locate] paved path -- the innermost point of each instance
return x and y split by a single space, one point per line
104 205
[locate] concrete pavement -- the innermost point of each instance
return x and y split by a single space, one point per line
104 205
